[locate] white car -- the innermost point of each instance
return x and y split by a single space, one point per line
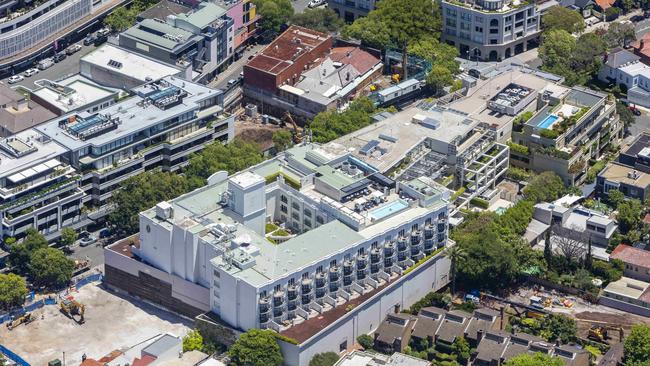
16 78
316 3
30 72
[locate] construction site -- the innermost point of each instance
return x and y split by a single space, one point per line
80 322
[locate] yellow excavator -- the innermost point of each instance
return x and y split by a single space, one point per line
25 319
71 307
297 134
599 333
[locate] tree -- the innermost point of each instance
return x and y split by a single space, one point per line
20 253
12 291
626 116
548 251
559 327
612 13
68 236
615 197
461 349
274 13
456 254
121 19
629 215
256 347
556 50
282 140
586 58
544 187
319 19
324 359
142 192
618 34
559 17
327 126
570 242
398 24
534 359
443 61
193 341
49 267
233 157
366 341
637 346
439 77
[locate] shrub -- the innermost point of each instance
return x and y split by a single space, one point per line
479 202
549 134
366 341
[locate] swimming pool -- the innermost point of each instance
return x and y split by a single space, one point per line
500 210
548 121
388 209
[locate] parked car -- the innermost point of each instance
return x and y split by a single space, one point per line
45 63
105 233
59 57
16 78
232 82
100 40
73 49
316 3
30 72
103 32
84 242
634 110
90 39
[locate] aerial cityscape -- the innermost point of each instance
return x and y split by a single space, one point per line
325 183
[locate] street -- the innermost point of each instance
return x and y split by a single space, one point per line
57 71
300 5
233 71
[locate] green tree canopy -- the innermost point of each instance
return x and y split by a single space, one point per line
559 327
121 19
193 341
556 50
232 157
544 187
366 341
624 114
12 291
534 359
629 215
324 359
21 253
142 192
559 17
586 58
49 267
618 34
637 346
461 349
256 347
329 125
274 13
319 19
282 140
398 24
68 236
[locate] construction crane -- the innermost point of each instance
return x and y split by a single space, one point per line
71 307
297 135
25 319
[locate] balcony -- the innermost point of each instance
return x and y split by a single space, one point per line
429 230
320 280
292 292
334 274
264 305
348 267
278 298
362 261
306 286
389 249
375 255
416 236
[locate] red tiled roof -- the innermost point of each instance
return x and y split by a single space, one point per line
361 60
604 4
631 255
645 50
281 53
102 361
144 361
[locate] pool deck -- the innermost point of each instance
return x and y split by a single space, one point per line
388 209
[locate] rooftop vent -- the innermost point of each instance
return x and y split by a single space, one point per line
634 175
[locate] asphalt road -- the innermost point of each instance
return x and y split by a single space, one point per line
300 5
59 70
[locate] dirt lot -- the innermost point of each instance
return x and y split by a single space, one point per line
111 322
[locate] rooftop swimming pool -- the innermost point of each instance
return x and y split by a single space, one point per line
548 121
388 209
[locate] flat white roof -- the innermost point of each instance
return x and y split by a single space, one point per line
22 167
133 65
85 92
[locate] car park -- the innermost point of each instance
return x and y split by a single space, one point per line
73 49
15 79
30 72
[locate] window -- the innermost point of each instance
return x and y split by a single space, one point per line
283 208
319 220
478 29
283 198
493 41
307 213
494 31
295 206
479 19
494 23
343 346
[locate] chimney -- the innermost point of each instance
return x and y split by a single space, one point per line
479 336
501 313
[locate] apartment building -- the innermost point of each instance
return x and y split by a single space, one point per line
351 10
19 113
37 188
441 143
490 29
570 127
630 173
290 244
159 126
202 38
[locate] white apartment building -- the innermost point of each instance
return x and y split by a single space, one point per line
490 29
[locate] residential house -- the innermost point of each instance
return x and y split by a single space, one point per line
630 173
641 48
394 333
637 261
426 326
629 295
624 68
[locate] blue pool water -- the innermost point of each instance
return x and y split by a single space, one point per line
388 209
548 121
500 210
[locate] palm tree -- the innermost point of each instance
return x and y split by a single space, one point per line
455 254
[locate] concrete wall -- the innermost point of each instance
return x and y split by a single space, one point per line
365 318
627 307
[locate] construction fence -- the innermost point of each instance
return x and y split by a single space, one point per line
52 300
